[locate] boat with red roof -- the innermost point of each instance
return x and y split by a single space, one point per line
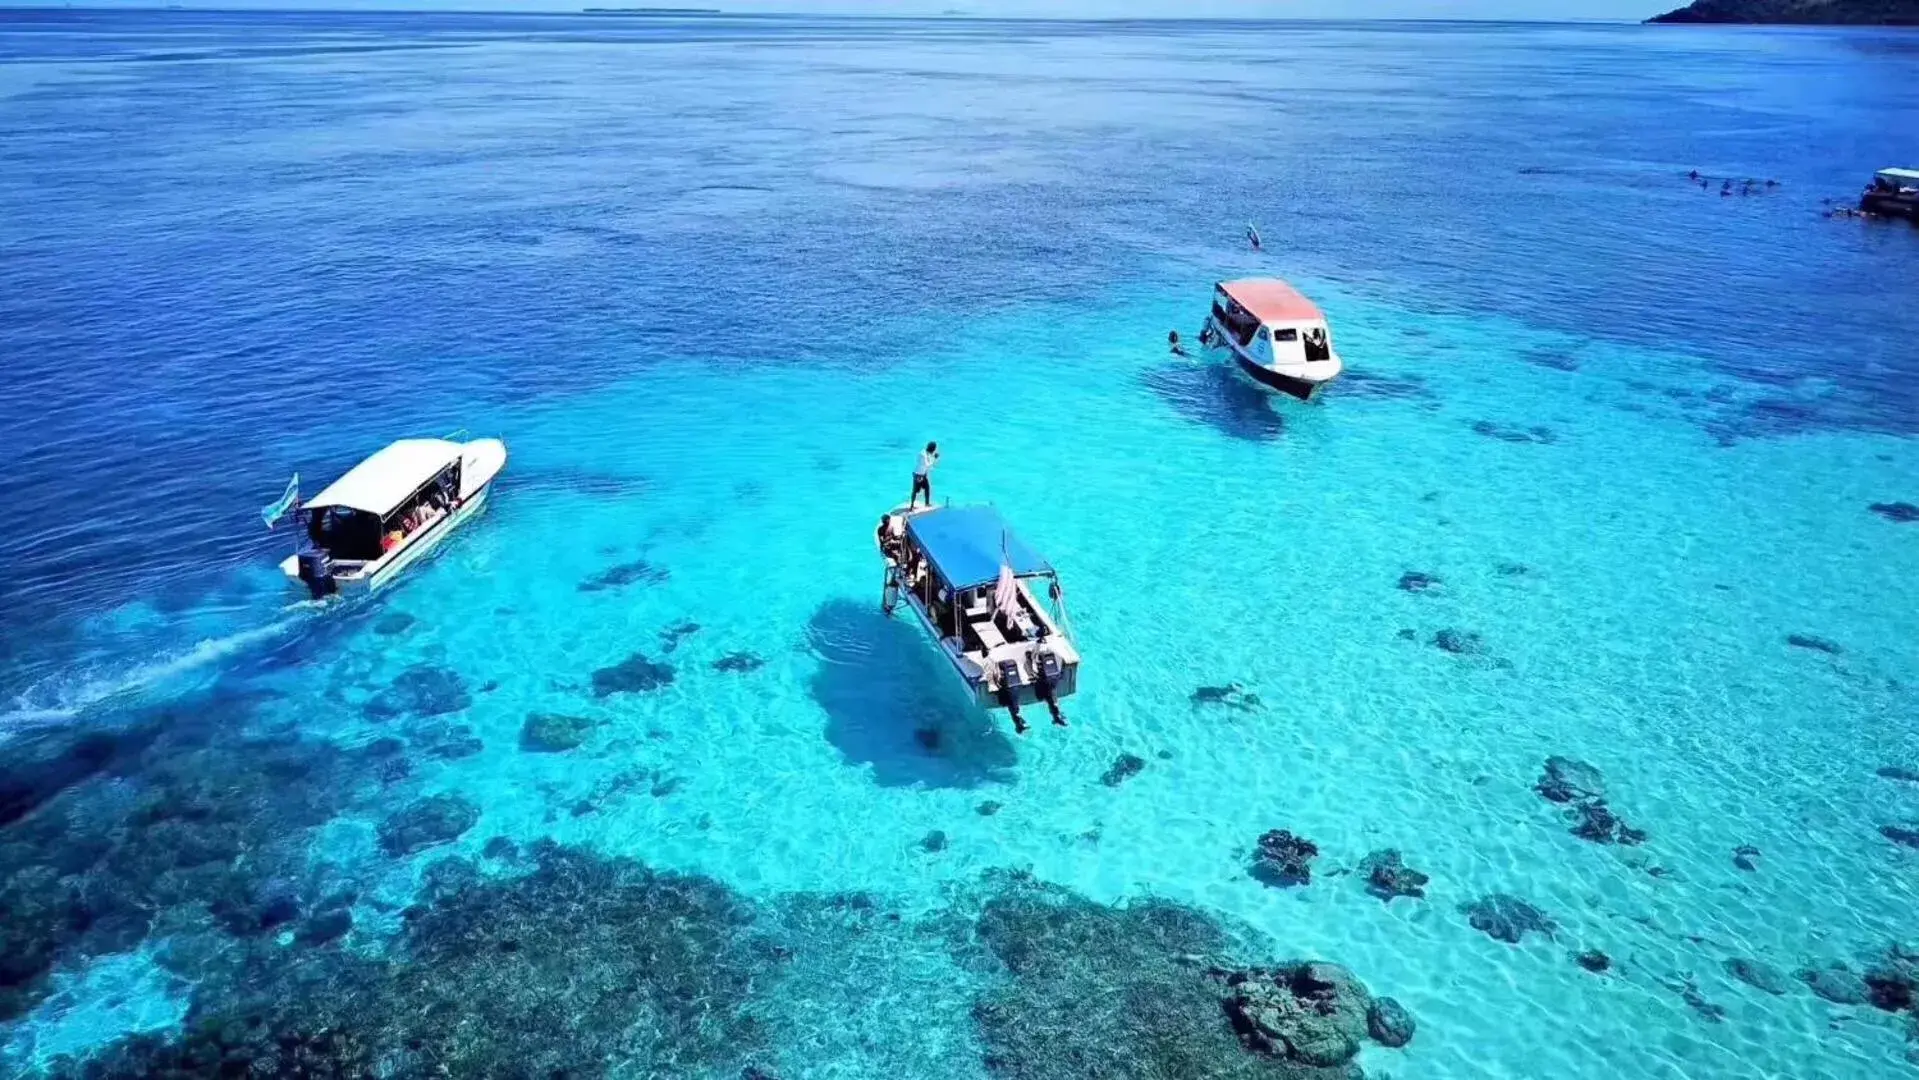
1275 335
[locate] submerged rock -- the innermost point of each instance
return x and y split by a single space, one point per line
325 928
1596 822
639 571
1570 780
421 690
1594 961
1459 642
552 733
1313 1013
1387 877
1902 835
1418 581
671 636
544 974
1746 857
1388 1022
934 842
1892 987
1512 569
1507 918
634 675
987 808
1758 974
429 821
1898 772
1836 984
1513 434
1283 859
1901 512
1232 696
1688 991
738 663
1816 644
1124 768
396 622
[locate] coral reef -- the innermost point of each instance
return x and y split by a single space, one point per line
1232 696
1143 992
738 663
1124 768
634 675
639 571
421 690
1416 581
1901 512
422 824
1757 974
1283 859
671 637
1573 782
552 733
192 819
584 967
1513 434
1388 877
1507 918
1814 644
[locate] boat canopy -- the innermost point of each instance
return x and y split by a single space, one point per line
1900 177
965 543
381 483
1271 300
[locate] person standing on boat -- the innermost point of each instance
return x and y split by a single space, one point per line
923 475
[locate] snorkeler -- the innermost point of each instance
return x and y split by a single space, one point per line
1252 237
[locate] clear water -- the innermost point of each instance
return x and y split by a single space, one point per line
714 281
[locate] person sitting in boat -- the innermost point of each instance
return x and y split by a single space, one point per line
889 544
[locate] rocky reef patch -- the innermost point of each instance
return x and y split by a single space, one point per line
1151 991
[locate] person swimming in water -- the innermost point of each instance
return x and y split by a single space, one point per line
1172 342
1252 237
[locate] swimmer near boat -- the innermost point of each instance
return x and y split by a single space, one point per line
970 583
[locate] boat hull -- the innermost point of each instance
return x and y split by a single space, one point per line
1292 385
390 570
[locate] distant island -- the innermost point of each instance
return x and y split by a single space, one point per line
650 11
1805 12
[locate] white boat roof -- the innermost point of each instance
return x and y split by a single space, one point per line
382 482
1900 174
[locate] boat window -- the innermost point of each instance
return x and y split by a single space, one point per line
345 534
1318 346
1287 334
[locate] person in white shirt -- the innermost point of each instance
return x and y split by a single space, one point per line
923 475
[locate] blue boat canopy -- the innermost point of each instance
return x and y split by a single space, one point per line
964 544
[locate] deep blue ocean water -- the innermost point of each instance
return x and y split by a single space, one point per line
714 281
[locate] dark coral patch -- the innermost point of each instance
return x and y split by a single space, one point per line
637 572
1900 512
634 675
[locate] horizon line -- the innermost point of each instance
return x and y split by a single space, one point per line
721 13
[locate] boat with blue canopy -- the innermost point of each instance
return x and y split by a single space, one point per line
970 582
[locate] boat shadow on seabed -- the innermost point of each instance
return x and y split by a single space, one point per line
887 704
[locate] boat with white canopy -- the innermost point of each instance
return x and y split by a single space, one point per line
387 512
969 580
1276 336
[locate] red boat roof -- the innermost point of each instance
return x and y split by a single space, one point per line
1271 300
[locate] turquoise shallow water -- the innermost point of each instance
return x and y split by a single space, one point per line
1633 559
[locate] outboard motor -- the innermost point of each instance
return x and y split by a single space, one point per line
1008 680
1046 672
316 569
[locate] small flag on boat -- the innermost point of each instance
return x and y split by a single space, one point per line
278 510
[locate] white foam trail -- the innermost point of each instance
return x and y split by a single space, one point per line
32 709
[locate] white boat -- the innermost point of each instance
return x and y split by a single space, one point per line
1276 336
1894 193
388 512
967 579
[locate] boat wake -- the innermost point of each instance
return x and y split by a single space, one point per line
62 697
